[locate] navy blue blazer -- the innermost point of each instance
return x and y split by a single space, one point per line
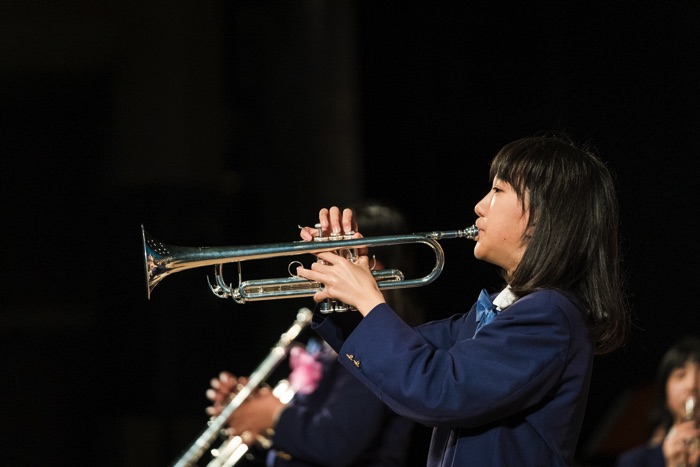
515 394
341 423
642 456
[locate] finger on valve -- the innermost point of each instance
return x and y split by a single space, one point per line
218 391
339 221
213 411
231 382
247 437
349 222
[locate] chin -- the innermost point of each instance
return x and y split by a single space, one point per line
479 254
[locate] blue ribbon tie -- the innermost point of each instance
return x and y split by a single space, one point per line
485 310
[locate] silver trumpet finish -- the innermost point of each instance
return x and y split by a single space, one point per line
162 260
689 409
691 415
261 373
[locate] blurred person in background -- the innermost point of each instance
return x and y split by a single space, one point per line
675 438
333 419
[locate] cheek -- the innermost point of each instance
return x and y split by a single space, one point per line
672 395
522 225
670 389
483 250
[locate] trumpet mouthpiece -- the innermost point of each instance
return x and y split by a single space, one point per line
690 409
471 232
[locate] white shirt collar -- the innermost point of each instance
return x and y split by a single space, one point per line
504 299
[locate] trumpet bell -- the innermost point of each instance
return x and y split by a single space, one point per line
154 254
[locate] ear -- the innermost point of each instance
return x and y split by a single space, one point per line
529 231
531 225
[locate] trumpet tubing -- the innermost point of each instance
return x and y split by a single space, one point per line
162 260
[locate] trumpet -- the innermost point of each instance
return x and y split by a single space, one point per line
689 409
261 373
690 416
162 260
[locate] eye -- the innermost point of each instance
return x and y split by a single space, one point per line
677 374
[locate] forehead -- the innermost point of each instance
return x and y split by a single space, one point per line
689 365
504 183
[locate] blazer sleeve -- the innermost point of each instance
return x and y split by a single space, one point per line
335 328
642 456
449 377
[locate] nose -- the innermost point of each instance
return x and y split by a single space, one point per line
480 208
693 380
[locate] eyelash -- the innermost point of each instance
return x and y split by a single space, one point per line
677 375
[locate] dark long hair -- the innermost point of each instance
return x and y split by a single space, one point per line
572 238
686 349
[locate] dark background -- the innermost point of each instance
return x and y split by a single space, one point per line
229 123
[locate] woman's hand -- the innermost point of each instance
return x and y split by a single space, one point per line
222 391
351 282
331 220
680 446
253 419
256 416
